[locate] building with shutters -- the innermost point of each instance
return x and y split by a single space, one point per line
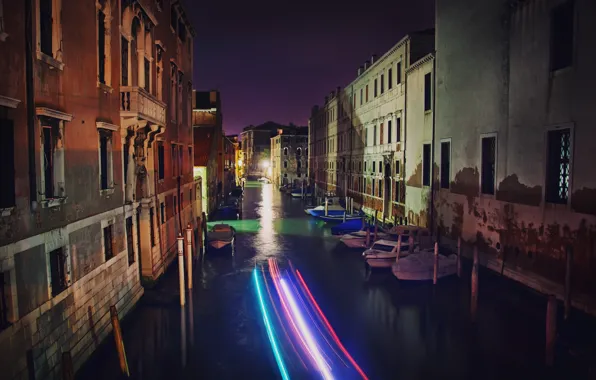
95 133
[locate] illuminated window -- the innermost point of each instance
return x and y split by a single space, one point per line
557 170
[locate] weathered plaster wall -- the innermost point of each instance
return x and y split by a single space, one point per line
419 131
493 76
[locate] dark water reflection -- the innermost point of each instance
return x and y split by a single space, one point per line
393 329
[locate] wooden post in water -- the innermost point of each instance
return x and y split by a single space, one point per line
459 257
551 329
189 255
569 250
67 368
474 298
204 226
367 237
436 272
410 243
326 206
345 216
398 249
200 235
376 230
119 341
181 269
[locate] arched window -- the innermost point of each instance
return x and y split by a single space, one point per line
285 164
298 151
285 151
299 164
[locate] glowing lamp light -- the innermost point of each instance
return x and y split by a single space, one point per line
240 163
265 164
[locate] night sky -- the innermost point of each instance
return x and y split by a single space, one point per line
274 61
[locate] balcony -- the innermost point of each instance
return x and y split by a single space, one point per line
136 102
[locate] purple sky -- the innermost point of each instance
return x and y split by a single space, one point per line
274 61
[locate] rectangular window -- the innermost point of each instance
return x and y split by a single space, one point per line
173 17
129 241
398 129
124 53
50 139
125 159
105 158
374 168
46 27
487 178
374 135
390 79
389 131
445 164
58 268
7 172
557 169
147 75
108 243
426 165
398 72
366 94
396 195
161 160
180 159
382 83
373 187
381 167
375 89
361 96
5 299
427 92
162 212
101 46
181 31
151 227
561 36
397 167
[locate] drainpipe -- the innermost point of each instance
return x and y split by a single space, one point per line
433 144
30 103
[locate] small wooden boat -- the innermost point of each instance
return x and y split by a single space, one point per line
221 235
339 218
421 266
331 210
358 239
349 227
383 253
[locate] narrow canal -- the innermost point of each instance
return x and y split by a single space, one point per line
393 329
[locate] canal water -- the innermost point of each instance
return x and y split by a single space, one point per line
393 329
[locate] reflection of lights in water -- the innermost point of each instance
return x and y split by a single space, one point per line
266 240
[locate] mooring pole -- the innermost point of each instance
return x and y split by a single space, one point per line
189 255
436 272
551 329
119 341
181 269
474 298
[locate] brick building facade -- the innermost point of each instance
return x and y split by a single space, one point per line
81 110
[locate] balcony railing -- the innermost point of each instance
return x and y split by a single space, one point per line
135 101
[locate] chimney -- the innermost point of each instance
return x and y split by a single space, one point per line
373 59
365 65
332 95
360 70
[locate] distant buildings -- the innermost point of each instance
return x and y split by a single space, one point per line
488 138
289 152
95 164
256 146
230 161
207 120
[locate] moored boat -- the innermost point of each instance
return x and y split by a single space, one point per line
383 253
331 210
420 266
221 235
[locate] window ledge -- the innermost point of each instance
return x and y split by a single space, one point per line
53 202
7 211
54 63
3 36
105 88
426 112
107 192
